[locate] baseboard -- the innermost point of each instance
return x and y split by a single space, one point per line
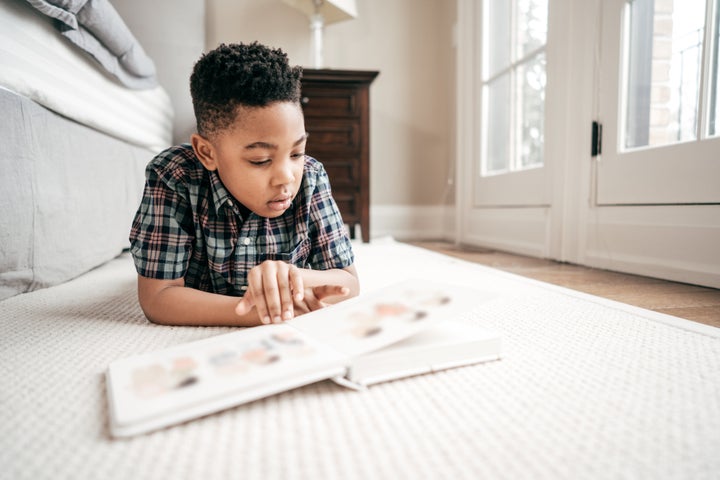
676 271
409 222
672 242
521 230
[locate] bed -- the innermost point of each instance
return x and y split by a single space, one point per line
79 125
587 388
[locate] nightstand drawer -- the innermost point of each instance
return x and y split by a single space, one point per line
325 101
333 136
343 172
348 203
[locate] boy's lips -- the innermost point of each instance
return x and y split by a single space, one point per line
280 203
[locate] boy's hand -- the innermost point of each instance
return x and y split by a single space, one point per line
277 291
273 287
313 298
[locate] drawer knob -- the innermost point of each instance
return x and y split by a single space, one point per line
305 100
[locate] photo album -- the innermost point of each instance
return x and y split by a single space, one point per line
406 329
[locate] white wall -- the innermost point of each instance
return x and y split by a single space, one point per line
156 25
412 135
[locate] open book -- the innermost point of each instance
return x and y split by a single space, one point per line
406 329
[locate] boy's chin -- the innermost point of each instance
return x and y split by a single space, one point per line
269 213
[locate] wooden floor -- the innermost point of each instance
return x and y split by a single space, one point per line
691 302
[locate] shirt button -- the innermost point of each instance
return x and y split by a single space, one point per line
246 241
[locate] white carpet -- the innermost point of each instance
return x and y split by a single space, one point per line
588 388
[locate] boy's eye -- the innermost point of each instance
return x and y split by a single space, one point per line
298 155
260 163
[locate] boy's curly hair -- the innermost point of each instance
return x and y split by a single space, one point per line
233 75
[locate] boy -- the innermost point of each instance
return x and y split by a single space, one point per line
241 211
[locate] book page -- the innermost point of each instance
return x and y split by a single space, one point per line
442 345
185 376
374 320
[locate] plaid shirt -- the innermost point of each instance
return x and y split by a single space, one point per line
188 225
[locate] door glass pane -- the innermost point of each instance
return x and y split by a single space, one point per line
531 111
513 85
498 126
663 68
498 40
532 25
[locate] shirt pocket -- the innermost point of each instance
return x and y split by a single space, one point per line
297 256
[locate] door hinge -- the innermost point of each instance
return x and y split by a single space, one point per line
596 148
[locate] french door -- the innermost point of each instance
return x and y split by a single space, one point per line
576 142
658 103
503 172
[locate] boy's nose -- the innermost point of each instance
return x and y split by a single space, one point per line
283 174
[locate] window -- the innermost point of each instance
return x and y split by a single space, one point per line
664 73
513 72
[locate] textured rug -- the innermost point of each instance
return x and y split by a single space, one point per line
587 388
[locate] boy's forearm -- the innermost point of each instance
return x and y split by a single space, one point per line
171 303
179 305
344 277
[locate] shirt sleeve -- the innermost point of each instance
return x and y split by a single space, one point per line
161 238
330 245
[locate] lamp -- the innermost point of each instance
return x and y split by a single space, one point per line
321 13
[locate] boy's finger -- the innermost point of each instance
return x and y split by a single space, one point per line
271 293
255 289
244 305
286 302
296 282
313 303
324 291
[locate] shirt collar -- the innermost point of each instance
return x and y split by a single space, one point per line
221 197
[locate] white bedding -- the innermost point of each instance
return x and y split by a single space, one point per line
39 63
69 193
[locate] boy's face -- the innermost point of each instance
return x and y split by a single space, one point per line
259 159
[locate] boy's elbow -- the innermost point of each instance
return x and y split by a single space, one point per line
150 297
150 312
152 318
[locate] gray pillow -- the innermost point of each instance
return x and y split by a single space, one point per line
96 27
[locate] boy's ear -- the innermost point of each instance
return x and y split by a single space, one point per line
204 150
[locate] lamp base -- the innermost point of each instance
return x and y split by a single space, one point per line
316 27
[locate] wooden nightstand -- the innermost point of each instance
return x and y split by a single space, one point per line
337 117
